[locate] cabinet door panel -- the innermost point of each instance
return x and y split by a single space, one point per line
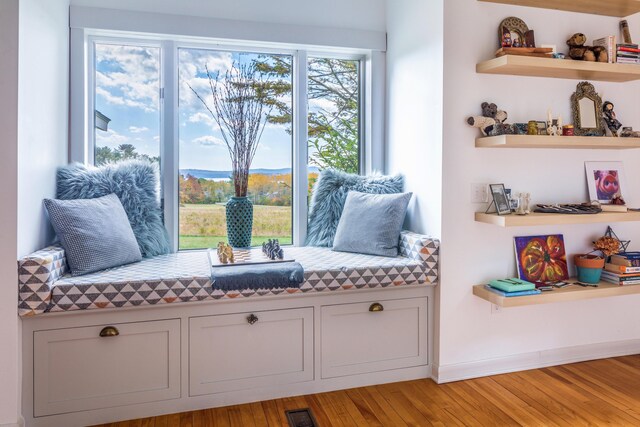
356 340
76 369
227 352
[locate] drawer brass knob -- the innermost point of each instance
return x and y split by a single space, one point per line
375 307
252 319
109 331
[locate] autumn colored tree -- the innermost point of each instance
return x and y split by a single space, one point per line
190 190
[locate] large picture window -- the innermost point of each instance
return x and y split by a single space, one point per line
153 100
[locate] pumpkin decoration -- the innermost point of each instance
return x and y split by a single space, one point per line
542 258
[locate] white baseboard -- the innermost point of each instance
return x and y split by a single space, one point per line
538 359
20 423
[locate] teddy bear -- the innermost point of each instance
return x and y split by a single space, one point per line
492 121
580 52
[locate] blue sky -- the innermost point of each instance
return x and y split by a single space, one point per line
127 87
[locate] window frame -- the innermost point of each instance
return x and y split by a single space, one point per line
82 95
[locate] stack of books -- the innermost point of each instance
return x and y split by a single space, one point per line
623 269
628 53
512 287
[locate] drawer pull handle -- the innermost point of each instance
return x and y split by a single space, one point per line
375 307
252 319
109 331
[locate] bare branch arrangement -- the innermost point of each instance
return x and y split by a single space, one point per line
239 109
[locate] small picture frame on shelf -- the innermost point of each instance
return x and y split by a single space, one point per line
605 180
500 199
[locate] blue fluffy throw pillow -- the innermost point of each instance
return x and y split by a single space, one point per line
329 194
136 184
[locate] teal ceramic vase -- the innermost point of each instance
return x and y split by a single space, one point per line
239 222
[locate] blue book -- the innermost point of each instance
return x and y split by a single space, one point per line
512 294
630 255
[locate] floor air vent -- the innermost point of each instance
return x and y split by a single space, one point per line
301 418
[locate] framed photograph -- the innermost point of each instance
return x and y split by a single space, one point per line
605 180
513 202
541 259
500 199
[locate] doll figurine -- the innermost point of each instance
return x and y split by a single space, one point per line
613 124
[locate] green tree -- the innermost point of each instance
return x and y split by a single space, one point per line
104 155
334 131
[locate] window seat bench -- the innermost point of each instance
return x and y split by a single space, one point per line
84 366
44 285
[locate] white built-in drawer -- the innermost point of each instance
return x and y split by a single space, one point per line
227 352
356 340
76 369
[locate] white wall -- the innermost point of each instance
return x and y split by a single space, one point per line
414 106
331 13
43 114
9 350
473 253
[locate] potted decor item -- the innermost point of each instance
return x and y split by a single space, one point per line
240 110
589 266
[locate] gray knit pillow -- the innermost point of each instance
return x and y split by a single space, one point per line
95 233
371 223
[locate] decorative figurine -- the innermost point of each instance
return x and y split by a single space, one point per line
624 29
225 253
523 204
506 37
614 127
492 121
532 128
554 126
272 249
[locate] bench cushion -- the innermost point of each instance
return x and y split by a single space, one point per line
36 274
185 277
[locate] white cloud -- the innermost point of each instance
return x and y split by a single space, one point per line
128 75
192 64
111 138
136 129
209 141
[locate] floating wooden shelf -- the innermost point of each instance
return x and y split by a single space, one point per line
534 219
535 141
568 293
618 8
559 68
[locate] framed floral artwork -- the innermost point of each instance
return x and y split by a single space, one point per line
605 180
541 259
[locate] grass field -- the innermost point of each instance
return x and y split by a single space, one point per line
203 226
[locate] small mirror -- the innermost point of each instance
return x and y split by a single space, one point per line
587 109
586 105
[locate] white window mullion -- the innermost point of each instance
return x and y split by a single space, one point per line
169 139
300 148
82 98
373 112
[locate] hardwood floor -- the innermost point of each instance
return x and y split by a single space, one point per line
600 392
